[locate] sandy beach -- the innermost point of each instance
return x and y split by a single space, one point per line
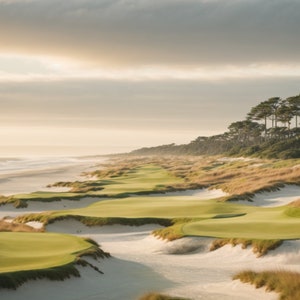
31 175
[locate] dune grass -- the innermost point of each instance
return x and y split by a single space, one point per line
25 256
259 247
11 226
157 296
286 283
124 176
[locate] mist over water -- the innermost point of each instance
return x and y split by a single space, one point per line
31 174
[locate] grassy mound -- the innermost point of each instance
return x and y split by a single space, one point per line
25 256
287 284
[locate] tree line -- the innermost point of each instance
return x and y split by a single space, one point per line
270 129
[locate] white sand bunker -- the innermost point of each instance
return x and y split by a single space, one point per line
200 194
187 266
284 196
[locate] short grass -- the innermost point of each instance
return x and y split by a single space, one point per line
32 251
192 217
144 179
31 256
211 218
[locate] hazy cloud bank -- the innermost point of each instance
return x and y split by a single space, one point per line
154 32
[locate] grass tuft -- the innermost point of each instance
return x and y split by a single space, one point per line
259 247
13 280
156 296
15 227
286 283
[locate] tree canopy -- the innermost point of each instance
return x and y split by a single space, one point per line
270 129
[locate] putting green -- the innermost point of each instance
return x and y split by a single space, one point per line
264 223
35 251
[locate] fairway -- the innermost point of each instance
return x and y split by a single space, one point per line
144 179
35 251
210 218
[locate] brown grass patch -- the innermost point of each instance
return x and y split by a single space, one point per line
259 247
295 203
156 296
239 177
7 226
287 284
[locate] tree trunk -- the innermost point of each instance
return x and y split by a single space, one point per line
265 127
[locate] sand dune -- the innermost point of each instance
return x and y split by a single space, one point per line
284 196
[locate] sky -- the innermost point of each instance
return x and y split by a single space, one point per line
84 77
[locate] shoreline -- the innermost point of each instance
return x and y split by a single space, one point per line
32 180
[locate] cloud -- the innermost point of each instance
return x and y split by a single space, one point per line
177 33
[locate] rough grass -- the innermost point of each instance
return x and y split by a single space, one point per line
19 227
27 256
295 204
125 176
238 177
93 221
157 296
286 283
259 247
169 233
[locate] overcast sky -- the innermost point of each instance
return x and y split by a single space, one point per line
96 76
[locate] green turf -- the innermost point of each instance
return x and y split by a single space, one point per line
204 217
264 223
144 179
34 251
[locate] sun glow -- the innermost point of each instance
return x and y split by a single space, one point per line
22 68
